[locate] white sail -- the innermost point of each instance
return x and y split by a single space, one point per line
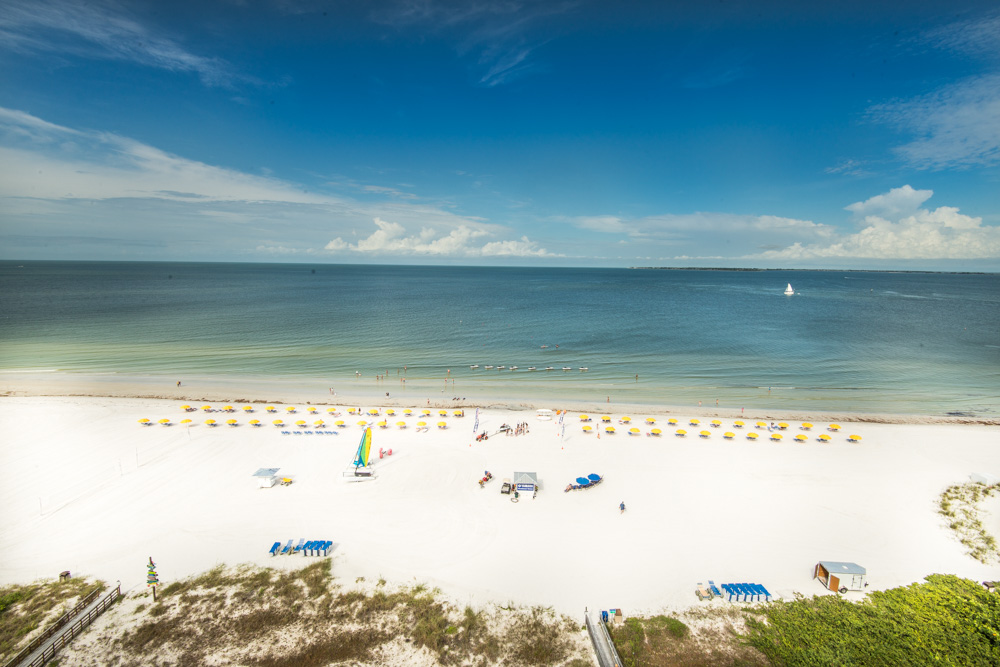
789 290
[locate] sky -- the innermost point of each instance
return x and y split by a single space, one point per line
860 135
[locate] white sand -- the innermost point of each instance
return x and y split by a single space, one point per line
87 489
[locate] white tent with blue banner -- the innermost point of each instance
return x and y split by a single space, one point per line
526 482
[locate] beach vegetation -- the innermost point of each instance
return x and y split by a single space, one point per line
27 608
272 618
698 637
960 505
944 621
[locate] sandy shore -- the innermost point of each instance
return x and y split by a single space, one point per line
90 490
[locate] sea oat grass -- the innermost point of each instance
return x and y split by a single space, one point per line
960 505
27 608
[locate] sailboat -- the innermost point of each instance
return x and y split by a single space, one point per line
788 290
360 462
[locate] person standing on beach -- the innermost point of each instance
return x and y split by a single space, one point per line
622 507
178 383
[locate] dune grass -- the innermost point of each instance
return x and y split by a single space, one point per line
26 608
271 618
959 504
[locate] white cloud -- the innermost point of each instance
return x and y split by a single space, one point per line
390 238
94 29
895 227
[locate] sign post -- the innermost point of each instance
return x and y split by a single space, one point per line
151 577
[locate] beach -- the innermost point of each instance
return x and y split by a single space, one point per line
91 490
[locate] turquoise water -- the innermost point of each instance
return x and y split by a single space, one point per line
871 342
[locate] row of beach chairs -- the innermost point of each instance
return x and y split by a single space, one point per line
308 432
313 548
742 592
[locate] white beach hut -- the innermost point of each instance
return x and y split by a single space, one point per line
840 576
266 477
526 482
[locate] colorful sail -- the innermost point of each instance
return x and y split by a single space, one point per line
361 460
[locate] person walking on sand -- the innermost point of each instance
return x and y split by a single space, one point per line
622 507
178 383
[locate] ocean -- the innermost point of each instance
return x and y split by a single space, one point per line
905 343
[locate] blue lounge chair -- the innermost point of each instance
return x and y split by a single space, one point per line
326 547
749 592
285 432
275 548
298 547
729 592
308 432
712 587
762 591
288 548
307 549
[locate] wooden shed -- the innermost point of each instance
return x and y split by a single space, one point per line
841 577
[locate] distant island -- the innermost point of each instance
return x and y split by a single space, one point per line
736 268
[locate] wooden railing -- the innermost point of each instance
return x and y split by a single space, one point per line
52 629
604 648
67 635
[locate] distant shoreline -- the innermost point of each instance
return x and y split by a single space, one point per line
736 268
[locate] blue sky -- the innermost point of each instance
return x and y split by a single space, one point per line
854 135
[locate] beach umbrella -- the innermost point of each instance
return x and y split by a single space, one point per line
407 412
383 424
373 411
606 419
247 408
185 408
210 422
351 411
425 413
363 423
728 435
290 408
165 422
401 424
587 429
583 481
594 477
144 421
228 408
823 437
681 432
806 426
854 438
313 409
609 429
339 422
782 425
672 421
185 421
801 438
442 413
270 408
331 411
626 419
301 422
761 424
705 434
206 408
650 420
231 422
738 424
776 436
834 427
278 422
656 431
694 422
633 431
458 413
319 423
751 436
255 422
585 418
716 422
442 424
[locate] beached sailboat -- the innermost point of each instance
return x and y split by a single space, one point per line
360 463
788 290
